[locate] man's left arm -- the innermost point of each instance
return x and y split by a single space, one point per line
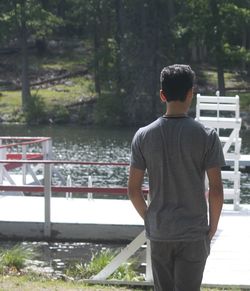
135 190
215 199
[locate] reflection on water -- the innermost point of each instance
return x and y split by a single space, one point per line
52 258
100 145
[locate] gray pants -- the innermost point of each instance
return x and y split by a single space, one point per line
179 266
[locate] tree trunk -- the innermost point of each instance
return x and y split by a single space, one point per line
244 45
221 79
171 9
194 53
118 37
155 51
24 56
97 49
218 46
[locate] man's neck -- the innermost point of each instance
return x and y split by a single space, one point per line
177 108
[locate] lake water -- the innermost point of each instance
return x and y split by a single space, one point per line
100 145
91 144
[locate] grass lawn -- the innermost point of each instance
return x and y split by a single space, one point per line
71 91
30 283
62 92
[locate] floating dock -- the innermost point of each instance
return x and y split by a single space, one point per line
75 219
116 220
229 262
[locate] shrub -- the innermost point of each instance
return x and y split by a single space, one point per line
15 257
109 110
98 261
59 114
36 111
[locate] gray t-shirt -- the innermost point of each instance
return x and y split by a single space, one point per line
176 152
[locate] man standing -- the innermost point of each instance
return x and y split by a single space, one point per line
177 152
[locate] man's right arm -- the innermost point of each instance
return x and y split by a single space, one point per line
215 198
135 190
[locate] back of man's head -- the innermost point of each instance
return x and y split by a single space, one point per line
176 80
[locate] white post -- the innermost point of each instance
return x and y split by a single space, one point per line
149 274
47 200
69 184
237 112
24 167
47 149
49 143
90 184
236 172
2 157
217 93
198 106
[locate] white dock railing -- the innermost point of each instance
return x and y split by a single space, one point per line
48 188
23 148
223 114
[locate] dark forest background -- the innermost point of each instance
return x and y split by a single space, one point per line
126 43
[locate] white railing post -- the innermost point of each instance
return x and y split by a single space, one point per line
90 184
198 106
217 93
47 149
69 184
24 167
149 274
49 145
47 200
237 174
2 157
237 112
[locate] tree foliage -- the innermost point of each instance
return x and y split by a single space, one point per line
23 20
132 40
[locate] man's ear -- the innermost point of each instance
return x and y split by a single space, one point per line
163 97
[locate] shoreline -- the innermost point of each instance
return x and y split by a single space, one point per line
245 116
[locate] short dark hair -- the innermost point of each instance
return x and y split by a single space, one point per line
176 80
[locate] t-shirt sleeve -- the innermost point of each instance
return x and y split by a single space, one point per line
214 155
137 160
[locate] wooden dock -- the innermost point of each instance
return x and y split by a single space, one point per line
22 217
229 261
75 219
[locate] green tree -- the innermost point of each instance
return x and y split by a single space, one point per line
214 31
236 15
130 41
26 19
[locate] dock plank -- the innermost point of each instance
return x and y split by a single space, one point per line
72 210
229 261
